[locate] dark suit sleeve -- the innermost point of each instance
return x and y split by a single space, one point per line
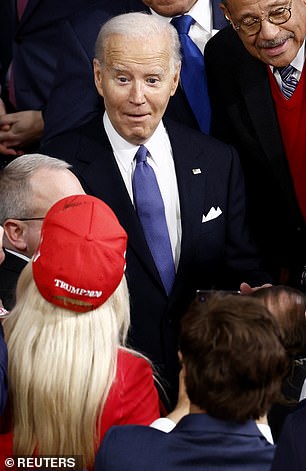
287 455
108 457
242 256
3 371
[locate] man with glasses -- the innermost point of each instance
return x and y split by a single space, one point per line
257 85
29 186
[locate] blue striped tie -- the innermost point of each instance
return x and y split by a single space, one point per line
151 212
289 82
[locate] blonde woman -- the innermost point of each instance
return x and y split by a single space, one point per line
70 376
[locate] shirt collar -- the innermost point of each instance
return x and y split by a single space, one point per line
298 61
198 12
17 254
125 151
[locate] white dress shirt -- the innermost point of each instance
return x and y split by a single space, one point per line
297 63
161 160
202 30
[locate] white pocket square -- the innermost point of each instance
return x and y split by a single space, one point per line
213 213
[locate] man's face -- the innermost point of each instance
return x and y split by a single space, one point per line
276 45
48 186
136 82
170 7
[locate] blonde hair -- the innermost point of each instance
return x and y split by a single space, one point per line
61 368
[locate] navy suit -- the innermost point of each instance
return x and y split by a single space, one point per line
198 442
291 451
209 251
243 114
35 49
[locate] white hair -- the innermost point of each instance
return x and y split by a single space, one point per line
142 26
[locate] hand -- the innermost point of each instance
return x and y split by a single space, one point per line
5 127
18 130
245 288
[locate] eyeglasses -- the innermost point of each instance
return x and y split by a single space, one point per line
28 219
252 26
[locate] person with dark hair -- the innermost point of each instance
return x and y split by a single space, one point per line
288 306
256 81
233 362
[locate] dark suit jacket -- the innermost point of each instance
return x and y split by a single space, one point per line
9 273
208 250
74 99
291 451
243 114
36 47
198 442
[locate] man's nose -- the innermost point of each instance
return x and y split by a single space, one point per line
268 30
137 95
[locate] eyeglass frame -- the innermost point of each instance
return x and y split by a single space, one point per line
258 21
28 219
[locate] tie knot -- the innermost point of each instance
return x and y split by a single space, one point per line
286 72
141 154
182 23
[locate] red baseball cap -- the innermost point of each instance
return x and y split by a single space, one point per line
80 259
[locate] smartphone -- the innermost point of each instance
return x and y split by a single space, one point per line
203 294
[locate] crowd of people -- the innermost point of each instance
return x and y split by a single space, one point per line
149 149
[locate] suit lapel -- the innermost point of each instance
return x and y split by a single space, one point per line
191 188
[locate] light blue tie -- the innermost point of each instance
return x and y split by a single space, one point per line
151 212
289 82
193 76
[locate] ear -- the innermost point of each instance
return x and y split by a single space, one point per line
180 356
225 11
98 76
14 235
176 79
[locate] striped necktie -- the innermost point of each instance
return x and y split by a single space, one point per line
289 82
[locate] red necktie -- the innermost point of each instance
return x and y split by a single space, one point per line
21 6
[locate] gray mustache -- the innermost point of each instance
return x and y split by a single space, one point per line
274 42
